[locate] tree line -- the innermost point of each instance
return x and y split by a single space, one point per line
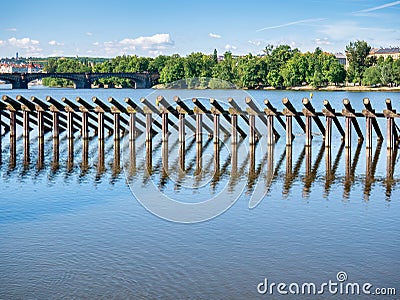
278 67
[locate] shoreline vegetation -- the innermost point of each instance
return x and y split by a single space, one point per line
277 67
331 88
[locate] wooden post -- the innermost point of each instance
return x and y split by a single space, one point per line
347 132
85 128
368 132
181 125
13 123
289 130
216 128
308 130
132 126
149 121
199 127
164 123
288 126
100 129
270 129
252 132
389 133
328 132
56 125
117 126
26 123
234 134
40 122
70 122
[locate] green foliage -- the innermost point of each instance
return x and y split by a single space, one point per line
357 53
279 67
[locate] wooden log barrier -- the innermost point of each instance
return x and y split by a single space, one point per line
192 114
235 109
330 115
134 108
391 133
169 108
119 107
272 109
350 114
290 108
208 114
260 114
226 115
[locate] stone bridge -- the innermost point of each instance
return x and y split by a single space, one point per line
81 80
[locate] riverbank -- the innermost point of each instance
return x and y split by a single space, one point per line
346 88
331 88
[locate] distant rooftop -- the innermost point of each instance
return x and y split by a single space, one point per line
385 50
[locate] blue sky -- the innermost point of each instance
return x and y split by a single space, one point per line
150 28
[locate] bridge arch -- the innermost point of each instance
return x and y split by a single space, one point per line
81 80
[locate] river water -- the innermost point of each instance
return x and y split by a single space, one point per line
132 220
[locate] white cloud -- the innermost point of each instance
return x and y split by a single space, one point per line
31 47
214 35
143 45
54 43
350 30
155 42
379 7
2 43
89 33
255 43
291 23
11 29
324 41
230 47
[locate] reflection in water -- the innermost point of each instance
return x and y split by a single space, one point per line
27 157
100 159
330 174
55 163
193 162
350 169
70 160
291 176
311 174
40 158
370 168
85 156
391 156
116 167
13 152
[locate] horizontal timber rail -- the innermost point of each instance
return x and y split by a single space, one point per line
238 121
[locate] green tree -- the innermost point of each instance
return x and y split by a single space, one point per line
226 69
371 76
357 53
174 70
